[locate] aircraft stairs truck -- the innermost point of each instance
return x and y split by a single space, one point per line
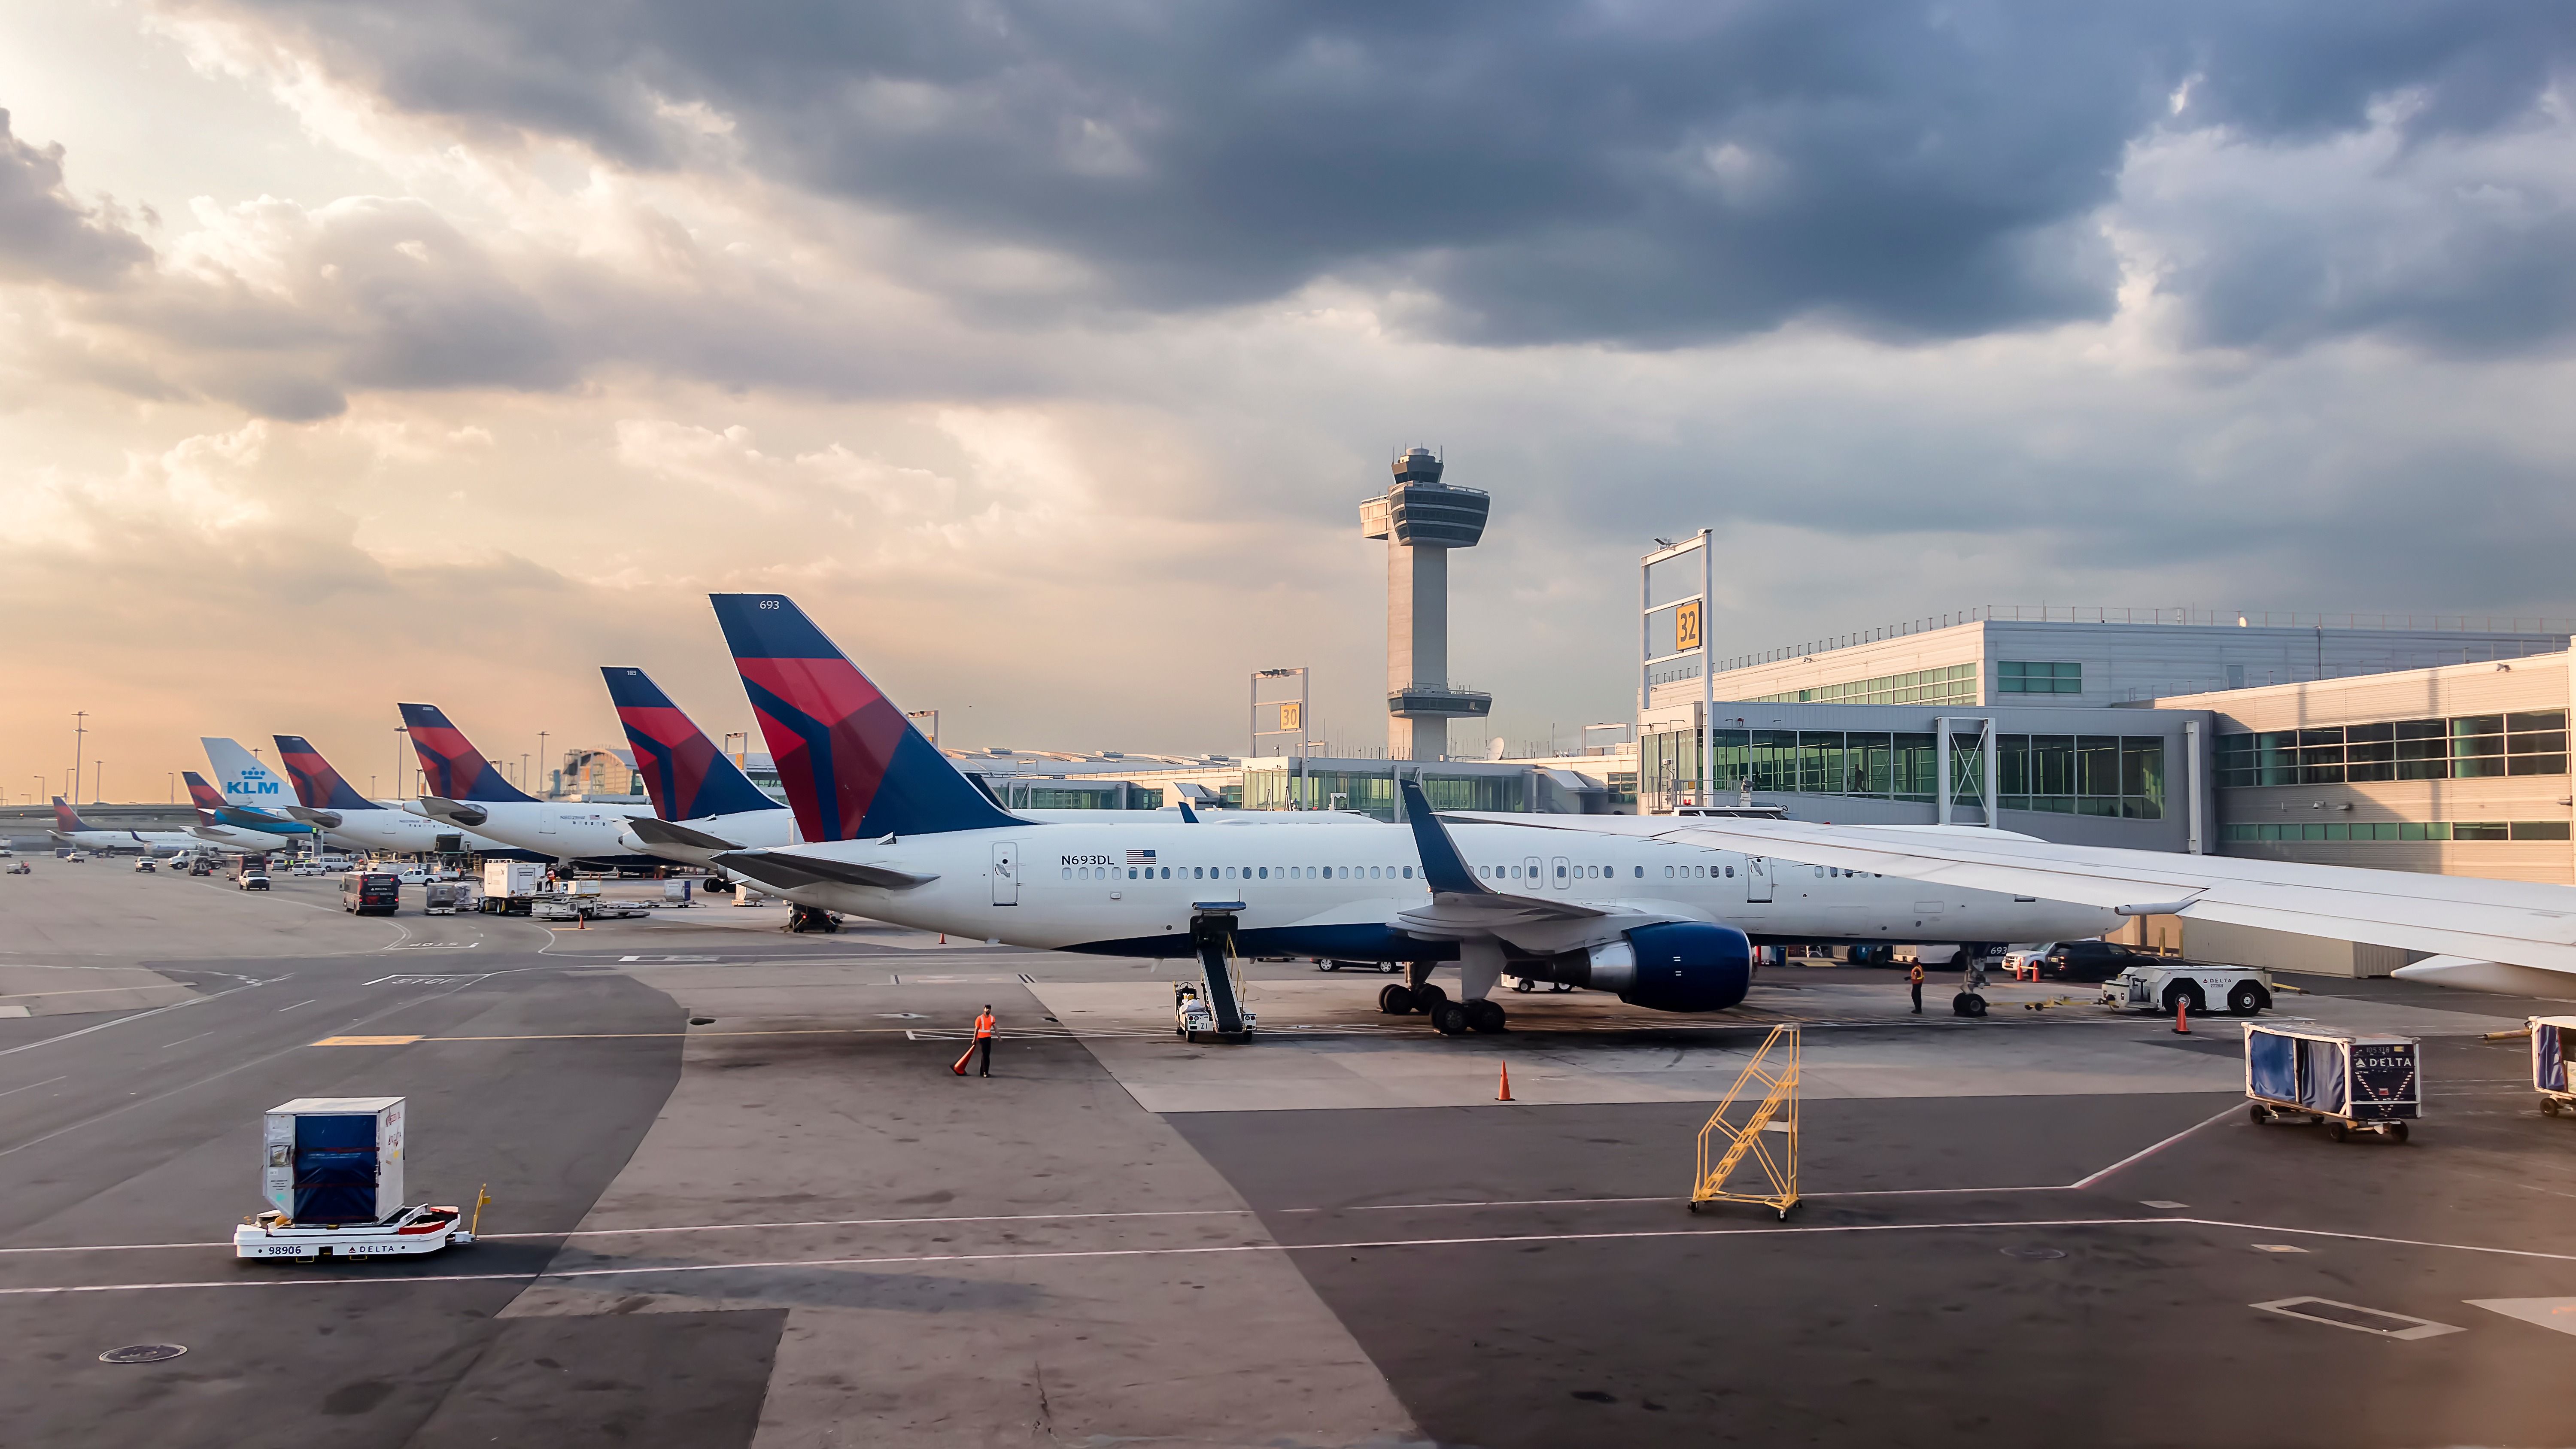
1215 1005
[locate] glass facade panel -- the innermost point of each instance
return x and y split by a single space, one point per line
1950 684
2019 677
2469 747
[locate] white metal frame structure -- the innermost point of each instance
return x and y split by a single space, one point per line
1647 608
1278 726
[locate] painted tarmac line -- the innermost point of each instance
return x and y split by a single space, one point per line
122 1020
2140 1156
1374 1244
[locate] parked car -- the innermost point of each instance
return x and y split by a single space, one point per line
2094 960
251 880
143 866
305 867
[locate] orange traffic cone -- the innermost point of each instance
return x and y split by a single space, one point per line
959 1066
2182 1009
1505 1094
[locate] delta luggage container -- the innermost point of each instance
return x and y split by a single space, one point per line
332 1170
2347 1081
2553 1043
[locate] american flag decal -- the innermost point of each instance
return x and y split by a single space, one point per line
1140 857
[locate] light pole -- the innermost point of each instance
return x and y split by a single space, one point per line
174 787
98 783
541 754
400 731
80 727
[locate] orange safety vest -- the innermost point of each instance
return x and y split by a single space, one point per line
1915 975
983 1026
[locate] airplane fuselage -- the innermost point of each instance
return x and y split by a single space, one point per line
561 829
1129 889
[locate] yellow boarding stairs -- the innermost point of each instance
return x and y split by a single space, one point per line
1766 1133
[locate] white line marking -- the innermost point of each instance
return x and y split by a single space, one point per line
308 1001
122 1020
2143 1154
2416 1327
31 1086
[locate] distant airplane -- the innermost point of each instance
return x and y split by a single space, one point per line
465 790
69 829
701 800
215 817
325 799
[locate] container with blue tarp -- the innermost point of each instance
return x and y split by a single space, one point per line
2553 1044
335 1159
2346 1080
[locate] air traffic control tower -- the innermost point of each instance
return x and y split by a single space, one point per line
1421 519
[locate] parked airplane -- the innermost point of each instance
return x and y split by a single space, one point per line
244 781
897 833
323 797
69 829
688 779
2515 937
227 826
466 790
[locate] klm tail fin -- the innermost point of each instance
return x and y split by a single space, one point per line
853 766
243 780
317 785
456 770
683 771
67 819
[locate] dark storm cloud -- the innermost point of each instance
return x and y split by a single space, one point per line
45 235
1637 173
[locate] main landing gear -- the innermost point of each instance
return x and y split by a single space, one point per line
1449 1018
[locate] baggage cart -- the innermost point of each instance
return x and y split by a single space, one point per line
333 1172
2350 1082
2553 1045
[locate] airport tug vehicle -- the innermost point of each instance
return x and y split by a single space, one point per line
2189 986
2350 1082
2553 1042
333 1173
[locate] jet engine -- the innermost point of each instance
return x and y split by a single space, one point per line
1674 966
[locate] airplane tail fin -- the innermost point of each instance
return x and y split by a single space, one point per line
67 819
683 771
243 780
456 770
853 767
317 785
203 795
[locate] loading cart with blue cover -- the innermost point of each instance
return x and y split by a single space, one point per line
2553 1042
332 1168
2349 1082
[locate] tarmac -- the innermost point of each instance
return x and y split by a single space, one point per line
740 1199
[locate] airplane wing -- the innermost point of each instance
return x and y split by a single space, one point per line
787 872
2513 922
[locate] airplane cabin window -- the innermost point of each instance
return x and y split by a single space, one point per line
1641 872
1068 872
1730 872
1408 872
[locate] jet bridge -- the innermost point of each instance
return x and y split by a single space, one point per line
1220 974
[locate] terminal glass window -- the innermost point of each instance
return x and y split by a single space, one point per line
2468 747
2407 831
2014 676
2119 776
1950 684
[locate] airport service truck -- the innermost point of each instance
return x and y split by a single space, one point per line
2170 986
511 887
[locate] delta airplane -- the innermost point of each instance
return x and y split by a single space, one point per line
2513 937
227 826
466 790
702 802
69 829
897 833
323 797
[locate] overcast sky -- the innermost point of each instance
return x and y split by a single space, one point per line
362 351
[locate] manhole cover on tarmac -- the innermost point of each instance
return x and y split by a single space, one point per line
143 1353
2034 1254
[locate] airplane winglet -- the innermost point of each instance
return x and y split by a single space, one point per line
1188 815
1442 866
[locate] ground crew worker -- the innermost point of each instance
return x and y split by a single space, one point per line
1914 978
984 1041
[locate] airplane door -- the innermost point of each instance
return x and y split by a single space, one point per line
545 823
1757 879
1529 874
1559 868
1006 873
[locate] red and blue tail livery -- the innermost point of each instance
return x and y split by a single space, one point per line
67 819
687 776
317 785
203 794
853 767
456 770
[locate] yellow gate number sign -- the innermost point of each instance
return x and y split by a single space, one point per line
1686 627
1288 716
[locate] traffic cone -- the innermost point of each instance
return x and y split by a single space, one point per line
2182 1010
1505 1094
959 1066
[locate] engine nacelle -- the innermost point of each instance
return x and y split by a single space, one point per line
1676 966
